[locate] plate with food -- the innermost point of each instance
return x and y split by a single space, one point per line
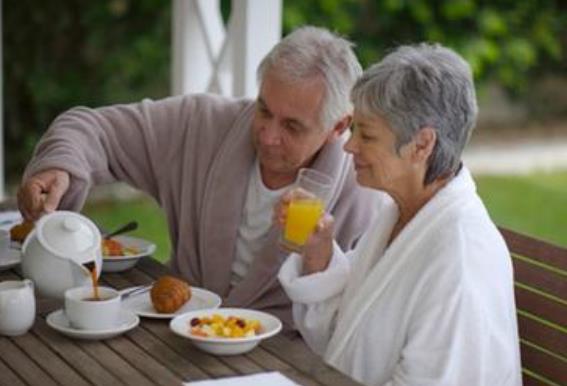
169 297
12 238
226 331
121 253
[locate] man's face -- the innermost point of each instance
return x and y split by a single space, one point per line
286 128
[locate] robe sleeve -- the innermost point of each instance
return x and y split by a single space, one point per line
129 143
316 297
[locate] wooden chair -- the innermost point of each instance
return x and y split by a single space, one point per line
540 273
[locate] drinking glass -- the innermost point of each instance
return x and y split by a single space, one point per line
305 210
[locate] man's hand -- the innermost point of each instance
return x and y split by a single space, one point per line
41 193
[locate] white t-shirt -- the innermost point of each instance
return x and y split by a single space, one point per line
255 223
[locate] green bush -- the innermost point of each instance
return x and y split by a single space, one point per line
63 53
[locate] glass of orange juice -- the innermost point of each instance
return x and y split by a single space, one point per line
304 212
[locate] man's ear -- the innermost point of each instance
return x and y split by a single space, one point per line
339 128
424 142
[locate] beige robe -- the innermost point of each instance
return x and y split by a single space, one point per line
193 154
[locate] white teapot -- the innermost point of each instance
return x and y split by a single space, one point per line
60 252
17 307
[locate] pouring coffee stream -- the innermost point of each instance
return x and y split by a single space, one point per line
92 269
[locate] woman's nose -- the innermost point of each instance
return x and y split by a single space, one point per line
350 145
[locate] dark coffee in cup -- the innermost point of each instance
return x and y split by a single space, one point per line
93 299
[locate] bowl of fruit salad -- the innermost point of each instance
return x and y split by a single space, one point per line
226 331
121 253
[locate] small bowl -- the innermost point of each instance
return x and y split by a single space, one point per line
226 346
123 263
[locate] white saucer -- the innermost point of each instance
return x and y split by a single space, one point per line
201 299
10 258
58 321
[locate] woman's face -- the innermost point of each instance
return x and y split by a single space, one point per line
377 163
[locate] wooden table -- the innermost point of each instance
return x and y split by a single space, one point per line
148 355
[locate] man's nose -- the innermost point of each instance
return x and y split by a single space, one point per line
271 134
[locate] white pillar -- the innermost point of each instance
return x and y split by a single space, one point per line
257 26
2 164
198 34
208 59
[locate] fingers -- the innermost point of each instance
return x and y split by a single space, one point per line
279 215
325 224
42 193
318 249
30 201
54 195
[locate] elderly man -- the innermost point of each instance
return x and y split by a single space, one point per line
217 165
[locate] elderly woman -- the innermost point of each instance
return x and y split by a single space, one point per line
426 297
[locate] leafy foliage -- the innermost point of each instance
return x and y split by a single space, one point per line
62 53
504 40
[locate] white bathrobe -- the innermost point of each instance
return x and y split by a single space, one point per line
436 307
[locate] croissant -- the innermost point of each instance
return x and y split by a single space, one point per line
19 232
168 294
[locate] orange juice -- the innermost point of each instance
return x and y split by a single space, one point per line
302 217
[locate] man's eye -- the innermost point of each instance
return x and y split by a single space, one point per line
294 129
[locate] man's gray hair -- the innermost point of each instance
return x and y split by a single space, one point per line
421 86
309 53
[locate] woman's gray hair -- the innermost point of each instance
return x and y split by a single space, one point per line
309 53
419 86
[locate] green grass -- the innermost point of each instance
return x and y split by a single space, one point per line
534 204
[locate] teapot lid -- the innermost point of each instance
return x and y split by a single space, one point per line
69 235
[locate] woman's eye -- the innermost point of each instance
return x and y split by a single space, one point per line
264 111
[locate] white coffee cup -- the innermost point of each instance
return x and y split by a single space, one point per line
84 313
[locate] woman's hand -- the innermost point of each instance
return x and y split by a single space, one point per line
318 249
279 216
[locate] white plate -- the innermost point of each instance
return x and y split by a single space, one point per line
123 263
201 299
227 346
10 259
58 321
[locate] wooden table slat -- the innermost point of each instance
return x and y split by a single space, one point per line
8 377
71 351
23 365
48 360
115 363
300 357
209 364
158 373
162 353
152 268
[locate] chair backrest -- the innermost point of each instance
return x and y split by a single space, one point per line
540 273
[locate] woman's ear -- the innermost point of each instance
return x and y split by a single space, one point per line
424 143
340 128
